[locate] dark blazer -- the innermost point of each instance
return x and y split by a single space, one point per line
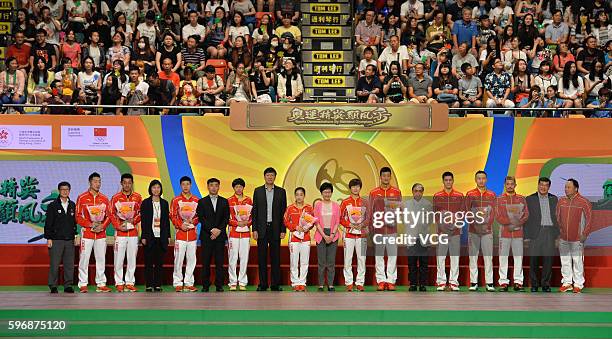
210 218
60 225
534 222
259 212
146 221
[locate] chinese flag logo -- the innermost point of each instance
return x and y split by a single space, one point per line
100 132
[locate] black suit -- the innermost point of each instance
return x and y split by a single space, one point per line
60 227
156 248
269 232
542 239
210 218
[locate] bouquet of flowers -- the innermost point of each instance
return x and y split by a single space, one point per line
97 213
125 211
515 213
243 213
485 213
307 221
187 210
356 215
446 227
391 205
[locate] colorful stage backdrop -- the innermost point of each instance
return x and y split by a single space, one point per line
36 152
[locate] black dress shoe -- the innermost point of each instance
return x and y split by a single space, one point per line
219 289
68 289
422 288
412 288
546 289
261 289
205 289
276 288
158 289
53 290
331 289
535 289
149 289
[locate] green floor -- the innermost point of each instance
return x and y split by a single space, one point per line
311 323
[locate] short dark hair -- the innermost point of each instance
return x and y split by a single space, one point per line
134 68
480 172
270 170
194 37
448 174
574 182
41 31
299 189
191 12
153 183
326 186
544 179
62 184
465 66
185 178
127 176
93 175
209 69
416 185
385 170
212 181
238 181
355 182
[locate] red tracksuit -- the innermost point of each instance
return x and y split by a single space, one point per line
344 218
476 198
569 215
116 221
175 216
233 223
452 202
502 214
377 204
82 213
292 220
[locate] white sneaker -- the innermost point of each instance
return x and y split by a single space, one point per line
473 287
441 287
490 288
454 288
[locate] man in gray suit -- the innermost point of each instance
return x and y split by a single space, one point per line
541 232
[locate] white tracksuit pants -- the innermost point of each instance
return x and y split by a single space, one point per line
451 249
125 246
357 246
389 275
516 245
184 249
299 257
99 248
238 250
482 243
572 263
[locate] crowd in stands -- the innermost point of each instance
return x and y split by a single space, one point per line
490 53
499 53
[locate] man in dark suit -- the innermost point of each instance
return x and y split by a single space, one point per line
213 214
541 231
60 231
269 205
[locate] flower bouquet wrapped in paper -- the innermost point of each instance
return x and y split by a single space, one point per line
446 224
515 213
243 213
485 213
125 211
187 211
97 213
391 205
356 215
307 221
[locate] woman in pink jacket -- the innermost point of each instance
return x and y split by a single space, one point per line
327 213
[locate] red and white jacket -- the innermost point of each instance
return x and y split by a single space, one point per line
292 221
502 214
451 201
233 222
477 199
82 213
344 218
574 217
175 217
116 221
377 199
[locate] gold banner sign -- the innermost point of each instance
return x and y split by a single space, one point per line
325 32
7 4
325 8
329 81
5 28
298 116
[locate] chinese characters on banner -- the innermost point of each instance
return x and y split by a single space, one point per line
18 201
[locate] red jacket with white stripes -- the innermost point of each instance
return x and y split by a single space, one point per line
190 235
574 217
292 221
84 219
475 199
451 201
377 199
344 218
116 221
233 222
504 219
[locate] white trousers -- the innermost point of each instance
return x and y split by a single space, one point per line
516 245
572 263
299 256
451 249
388 275
357 246
184 249
238 249
99 249
125 246
482 243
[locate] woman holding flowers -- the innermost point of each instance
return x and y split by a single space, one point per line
299 220
239 235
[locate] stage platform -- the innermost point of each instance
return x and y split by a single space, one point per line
313 314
